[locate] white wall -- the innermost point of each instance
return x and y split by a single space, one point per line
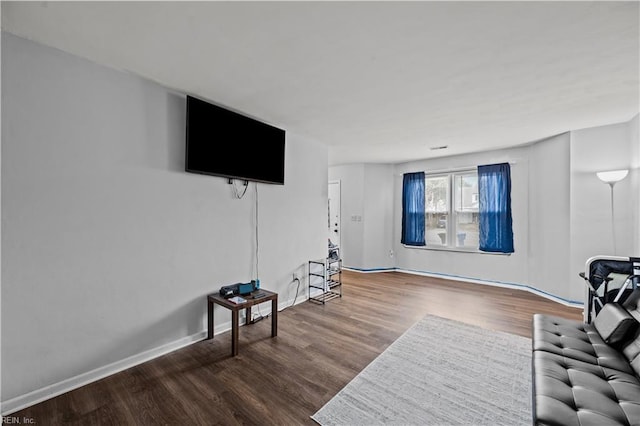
1 399
593 150
634 141
378 243
352 205
548 229
491 267
367 211
561 211
109 247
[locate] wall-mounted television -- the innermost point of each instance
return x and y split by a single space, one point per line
221 142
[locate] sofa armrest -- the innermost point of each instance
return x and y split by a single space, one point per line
613 323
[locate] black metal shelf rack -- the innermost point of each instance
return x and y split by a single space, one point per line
325 277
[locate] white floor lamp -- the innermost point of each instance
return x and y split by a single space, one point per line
612 177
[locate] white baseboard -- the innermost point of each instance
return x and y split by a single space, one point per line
31 398
48 392
570 303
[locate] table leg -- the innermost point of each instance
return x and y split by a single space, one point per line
234 331
210 320
274 317
248 315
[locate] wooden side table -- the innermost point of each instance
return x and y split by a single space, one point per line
235 311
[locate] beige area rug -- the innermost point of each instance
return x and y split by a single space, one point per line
440 372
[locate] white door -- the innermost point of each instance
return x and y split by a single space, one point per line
334 212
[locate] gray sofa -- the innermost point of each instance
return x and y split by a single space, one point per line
588 374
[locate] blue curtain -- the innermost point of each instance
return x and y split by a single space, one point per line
495 222
413 209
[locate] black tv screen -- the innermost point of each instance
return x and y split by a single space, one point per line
225 143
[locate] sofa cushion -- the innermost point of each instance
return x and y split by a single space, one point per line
570 392
613 323
631 350
575 340
631 347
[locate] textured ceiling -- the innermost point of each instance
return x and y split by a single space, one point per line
378 82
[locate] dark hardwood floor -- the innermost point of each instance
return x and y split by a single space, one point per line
283 381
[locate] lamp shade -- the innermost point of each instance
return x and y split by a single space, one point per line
612 176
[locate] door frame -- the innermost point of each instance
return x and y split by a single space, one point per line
336 188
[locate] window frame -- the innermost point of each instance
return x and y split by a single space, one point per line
453 248
452 222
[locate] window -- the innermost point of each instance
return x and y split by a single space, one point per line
464 210
451 211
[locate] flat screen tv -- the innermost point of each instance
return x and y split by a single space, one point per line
225 143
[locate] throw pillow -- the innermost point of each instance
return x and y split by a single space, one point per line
613 323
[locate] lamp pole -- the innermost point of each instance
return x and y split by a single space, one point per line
610 178
613 226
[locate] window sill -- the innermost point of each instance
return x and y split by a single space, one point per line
455 249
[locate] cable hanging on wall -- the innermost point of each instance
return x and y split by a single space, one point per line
257 245
237 192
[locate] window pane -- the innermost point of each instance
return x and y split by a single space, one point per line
437 209
465 194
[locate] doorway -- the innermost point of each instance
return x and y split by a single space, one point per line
334 213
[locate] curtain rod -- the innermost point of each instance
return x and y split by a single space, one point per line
461 169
